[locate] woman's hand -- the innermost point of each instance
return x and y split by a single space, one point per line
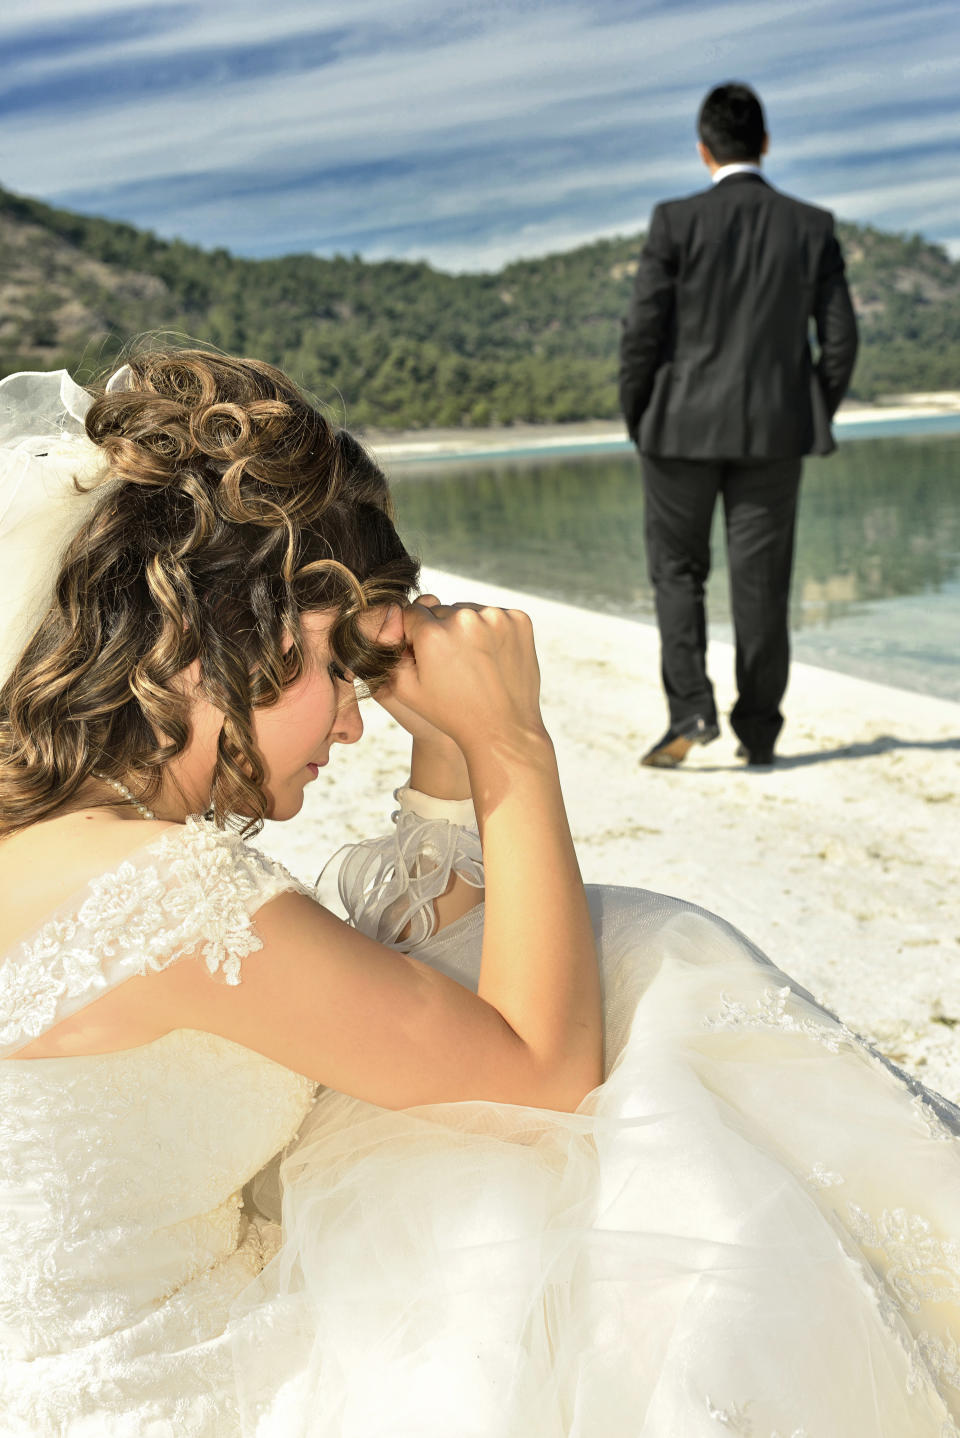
437 765
422 731
470 672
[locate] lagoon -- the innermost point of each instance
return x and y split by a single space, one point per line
876 589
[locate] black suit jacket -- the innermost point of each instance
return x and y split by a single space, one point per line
715 359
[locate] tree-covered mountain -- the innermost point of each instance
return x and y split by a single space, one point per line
395 344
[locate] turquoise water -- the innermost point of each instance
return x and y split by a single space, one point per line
876 588
845 429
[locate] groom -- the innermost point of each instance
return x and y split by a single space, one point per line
722 397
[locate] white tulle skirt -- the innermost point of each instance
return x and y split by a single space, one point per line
751 1228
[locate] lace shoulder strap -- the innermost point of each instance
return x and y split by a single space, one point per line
195 889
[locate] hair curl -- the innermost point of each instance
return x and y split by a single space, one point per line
238 507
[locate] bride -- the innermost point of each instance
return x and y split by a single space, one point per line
557 1164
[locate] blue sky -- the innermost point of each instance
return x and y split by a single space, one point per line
466 134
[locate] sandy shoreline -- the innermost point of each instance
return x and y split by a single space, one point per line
409 446
841 862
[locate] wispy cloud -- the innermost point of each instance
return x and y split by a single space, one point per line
467 136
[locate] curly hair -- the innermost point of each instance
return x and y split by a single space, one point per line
237 508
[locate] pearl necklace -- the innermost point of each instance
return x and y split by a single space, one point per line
125 793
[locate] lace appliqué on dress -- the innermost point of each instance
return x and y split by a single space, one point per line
915 1266
919 1267
736 1420
822 1177
195 888
771 1011
942 1357
218 879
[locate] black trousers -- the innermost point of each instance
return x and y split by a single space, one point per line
760 507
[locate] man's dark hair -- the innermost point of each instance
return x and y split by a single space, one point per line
731 123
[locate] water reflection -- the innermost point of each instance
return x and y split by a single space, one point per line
879 519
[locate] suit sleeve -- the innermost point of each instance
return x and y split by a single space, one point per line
836 324
647 322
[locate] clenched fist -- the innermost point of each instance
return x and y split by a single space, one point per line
469 671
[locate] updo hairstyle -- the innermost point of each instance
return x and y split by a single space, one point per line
237 507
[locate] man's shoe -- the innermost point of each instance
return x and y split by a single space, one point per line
679 739
756 758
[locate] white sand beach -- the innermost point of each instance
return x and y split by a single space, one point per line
842 861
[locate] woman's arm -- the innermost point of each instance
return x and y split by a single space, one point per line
474 675
438 769
327 1001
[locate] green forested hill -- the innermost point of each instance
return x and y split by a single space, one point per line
403 345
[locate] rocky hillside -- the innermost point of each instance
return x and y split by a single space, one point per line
403 345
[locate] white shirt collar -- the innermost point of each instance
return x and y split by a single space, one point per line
741 167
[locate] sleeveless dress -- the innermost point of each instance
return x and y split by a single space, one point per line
751 1228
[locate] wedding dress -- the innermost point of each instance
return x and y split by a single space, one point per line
750 1230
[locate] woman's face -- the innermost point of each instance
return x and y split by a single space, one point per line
295 735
